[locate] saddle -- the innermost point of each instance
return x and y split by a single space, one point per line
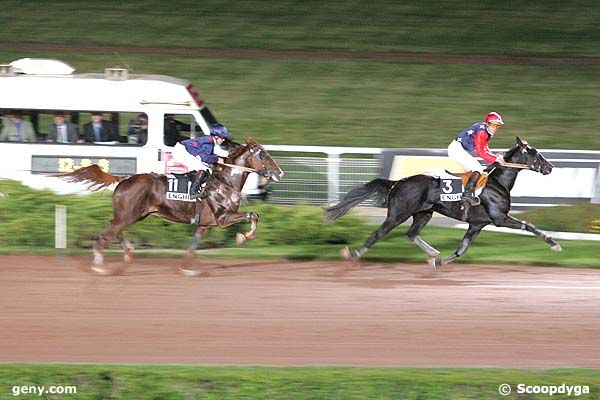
464 177
190 175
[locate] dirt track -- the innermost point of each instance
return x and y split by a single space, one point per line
299 313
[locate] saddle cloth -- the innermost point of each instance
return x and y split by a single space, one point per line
464 177
452 185
178 187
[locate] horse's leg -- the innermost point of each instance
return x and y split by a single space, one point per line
392 221
469 237
127 256
232 219
507 221
421 219
198 235
240 238
113 230
127 248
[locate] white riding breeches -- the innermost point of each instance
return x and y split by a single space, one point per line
181 155
457 153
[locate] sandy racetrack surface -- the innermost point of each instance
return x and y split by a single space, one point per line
281 312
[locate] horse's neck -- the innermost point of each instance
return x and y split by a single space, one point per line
506 177
235 178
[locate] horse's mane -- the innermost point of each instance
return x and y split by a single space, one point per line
510 153
235 149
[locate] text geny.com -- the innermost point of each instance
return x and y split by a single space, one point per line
42 390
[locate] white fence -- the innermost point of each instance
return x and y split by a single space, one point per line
320 175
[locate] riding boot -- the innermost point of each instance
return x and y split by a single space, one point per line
196 189
469 194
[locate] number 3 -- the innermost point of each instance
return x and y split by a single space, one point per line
447 187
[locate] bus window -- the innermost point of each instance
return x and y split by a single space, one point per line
179 127
17 127
100 129
137 128
56 126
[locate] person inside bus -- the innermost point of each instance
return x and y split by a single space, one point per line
61 131
137 130
16 129
99 130
172 130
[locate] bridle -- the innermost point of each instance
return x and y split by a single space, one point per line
257 150
262 171
534 166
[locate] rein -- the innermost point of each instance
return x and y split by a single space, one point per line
513 165
247 169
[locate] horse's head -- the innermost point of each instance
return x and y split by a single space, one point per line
523 153
261 160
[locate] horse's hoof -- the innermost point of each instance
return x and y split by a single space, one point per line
557 247
98 260
346 253
240 239
189 272
351 255
433 263
100 270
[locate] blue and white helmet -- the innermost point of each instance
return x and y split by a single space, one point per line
220 131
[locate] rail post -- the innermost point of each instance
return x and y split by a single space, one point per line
60 227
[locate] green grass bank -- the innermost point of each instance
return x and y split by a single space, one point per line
551 28
222 382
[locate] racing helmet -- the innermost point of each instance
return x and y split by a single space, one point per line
219 130
494 118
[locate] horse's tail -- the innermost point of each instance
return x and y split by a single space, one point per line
93 175
380 188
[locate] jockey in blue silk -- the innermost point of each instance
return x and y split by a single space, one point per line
200 153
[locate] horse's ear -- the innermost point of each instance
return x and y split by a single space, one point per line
521 142
250 141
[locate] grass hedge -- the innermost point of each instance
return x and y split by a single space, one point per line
27 225
27 219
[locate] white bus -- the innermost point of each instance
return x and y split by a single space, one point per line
38 89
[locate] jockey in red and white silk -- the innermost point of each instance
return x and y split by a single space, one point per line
475 139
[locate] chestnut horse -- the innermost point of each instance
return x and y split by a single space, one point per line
141 195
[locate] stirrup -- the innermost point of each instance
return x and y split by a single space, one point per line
201 194
472 200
